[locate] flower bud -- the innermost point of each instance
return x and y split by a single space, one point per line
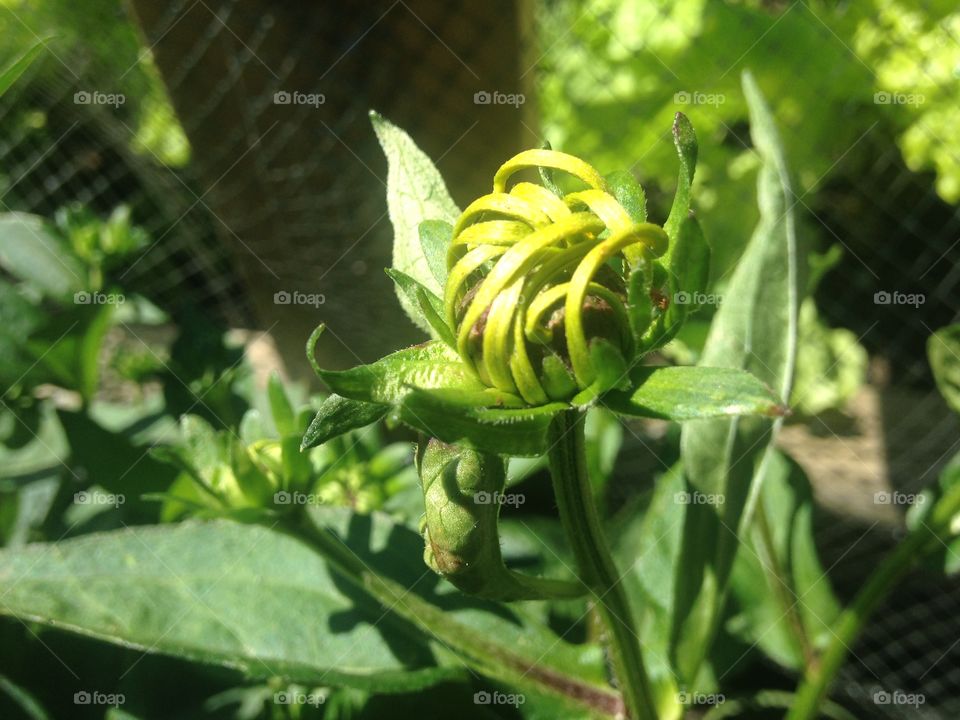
537 287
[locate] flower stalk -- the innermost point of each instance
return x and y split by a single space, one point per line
595 566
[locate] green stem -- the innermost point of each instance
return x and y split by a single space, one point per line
476 650
848 627
595 566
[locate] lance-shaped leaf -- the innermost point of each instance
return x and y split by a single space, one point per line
689 393
338 415
223 593
415 192
520 432
785 600
435 237
428 306
430 365
755 329
9 75
685 140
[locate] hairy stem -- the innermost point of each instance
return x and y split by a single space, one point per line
928 535
595 566
478 652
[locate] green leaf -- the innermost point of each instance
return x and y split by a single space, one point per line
528 653
943 350
415 192
31 708
284 416
239 596
428 306
685 140
520 432
31 252
435 237
10 74
688 393
338 415
430 365
689 273
754 330
785 601
648 540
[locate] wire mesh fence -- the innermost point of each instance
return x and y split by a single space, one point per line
236 131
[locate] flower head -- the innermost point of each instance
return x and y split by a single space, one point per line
538 286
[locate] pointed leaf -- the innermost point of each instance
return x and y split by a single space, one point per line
688 393
428 306
755 329
9 75
435 237
338 415
415 192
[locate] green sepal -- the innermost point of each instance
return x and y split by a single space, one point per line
338 415
520 432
